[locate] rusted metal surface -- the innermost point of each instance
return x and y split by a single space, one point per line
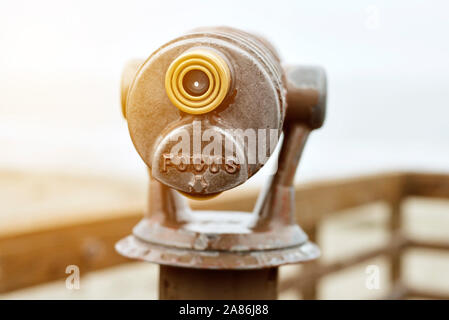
132 247
256 100
159 120
172 234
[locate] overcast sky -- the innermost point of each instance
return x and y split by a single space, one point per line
387 65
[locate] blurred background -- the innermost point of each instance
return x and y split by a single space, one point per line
386 61
61 61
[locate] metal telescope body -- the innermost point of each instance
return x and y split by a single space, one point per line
205 112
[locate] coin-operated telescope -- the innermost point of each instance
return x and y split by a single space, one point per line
205 112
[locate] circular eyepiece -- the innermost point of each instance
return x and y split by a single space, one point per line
196 83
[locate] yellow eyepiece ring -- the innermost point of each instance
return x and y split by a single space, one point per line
184 93
215 68
178 86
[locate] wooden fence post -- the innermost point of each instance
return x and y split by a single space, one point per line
309 291
395 228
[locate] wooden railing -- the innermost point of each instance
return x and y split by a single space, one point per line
32 257
336 196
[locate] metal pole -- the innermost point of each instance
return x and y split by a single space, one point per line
198 284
